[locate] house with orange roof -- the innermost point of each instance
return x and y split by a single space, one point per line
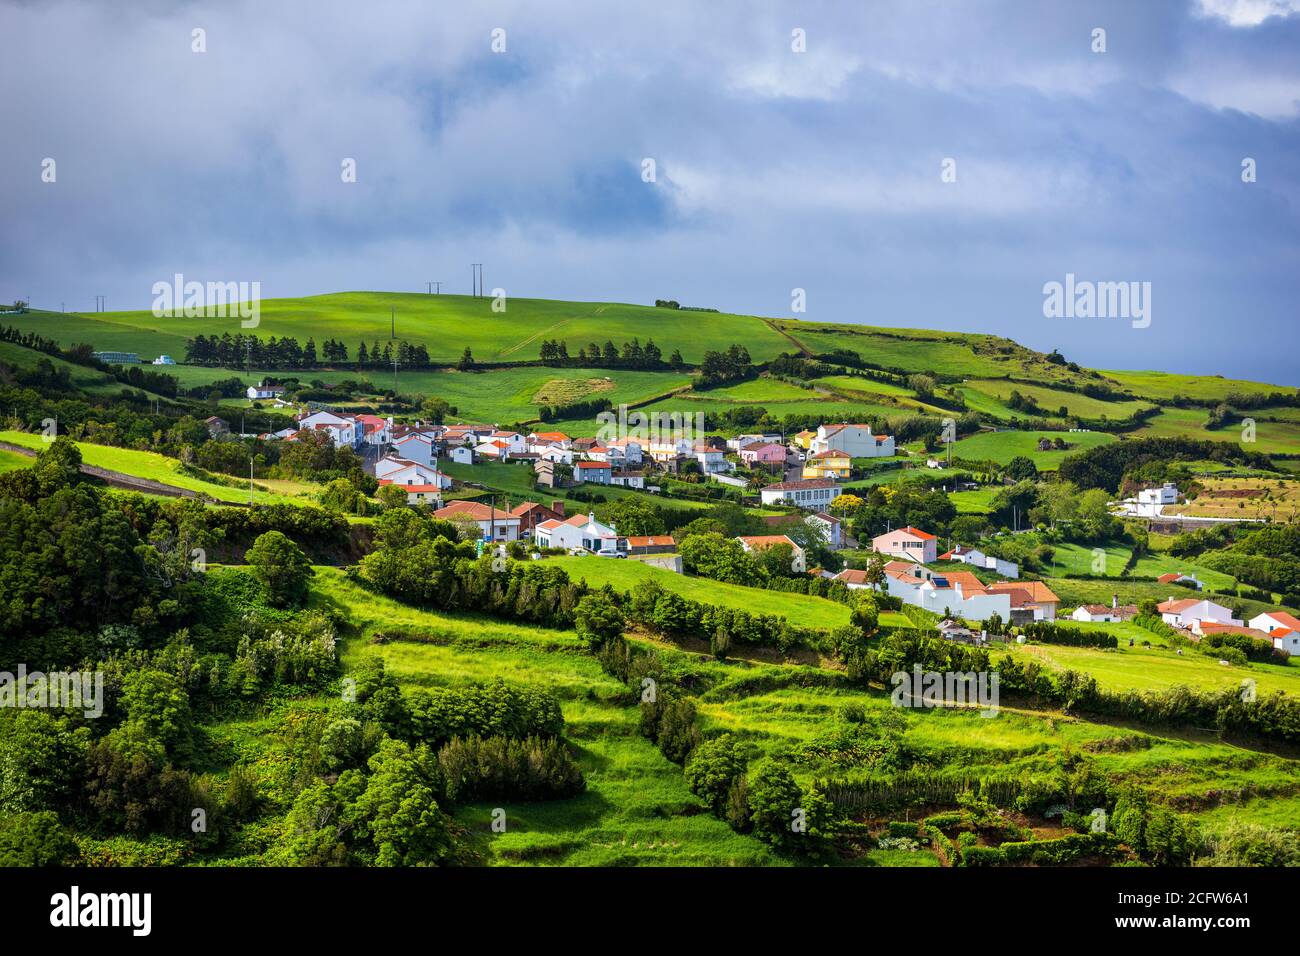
579 533
761 542
494 524
828 464
911 544
1031 600
1189 613
1178 577
1281 627
638 544
957 593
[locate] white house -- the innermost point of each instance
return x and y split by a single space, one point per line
494 524
428 495
856 441
1113 613
398 471
628 479
957 593
164 360
1281 627
1188 613
712 460
625 451
461 454
1151 501
761 542
911 544
263 391
375 430
342 429
1178 577
579 533
978 559
813 494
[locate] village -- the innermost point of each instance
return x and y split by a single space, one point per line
807 473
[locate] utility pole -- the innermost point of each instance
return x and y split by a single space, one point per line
250 481
392 318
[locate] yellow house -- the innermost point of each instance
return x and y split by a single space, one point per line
804 439
828 464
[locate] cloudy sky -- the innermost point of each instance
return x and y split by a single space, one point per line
775 169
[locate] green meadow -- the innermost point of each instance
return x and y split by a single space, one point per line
1002 446
168 471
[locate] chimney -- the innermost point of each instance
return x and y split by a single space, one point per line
558 507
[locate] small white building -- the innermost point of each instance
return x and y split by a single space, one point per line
829 527
978 559
262 390
164 360
461 454
579 533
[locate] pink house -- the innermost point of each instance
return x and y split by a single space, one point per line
909 543
763 453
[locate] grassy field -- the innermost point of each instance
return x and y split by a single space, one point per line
147 464
798 608
445 324
1049 399
1001 447
1271 438
498 396
637 811
1165 385
922 350
1159 668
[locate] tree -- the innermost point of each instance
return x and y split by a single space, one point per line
436 410
723 559
633 516
712 770
36 839
57 465
923 386
397 812
1021 468
597 619
774 799
466 363
281 567
392 496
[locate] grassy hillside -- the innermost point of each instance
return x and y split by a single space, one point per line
798 608
168 471
1005 445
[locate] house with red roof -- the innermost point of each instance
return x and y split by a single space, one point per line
1189 613
596 472
910 544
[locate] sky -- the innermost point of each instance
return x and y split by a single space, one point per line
923 164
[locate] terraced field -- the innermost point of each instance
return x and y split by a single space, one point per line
1051 400
1271 438
1002 446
